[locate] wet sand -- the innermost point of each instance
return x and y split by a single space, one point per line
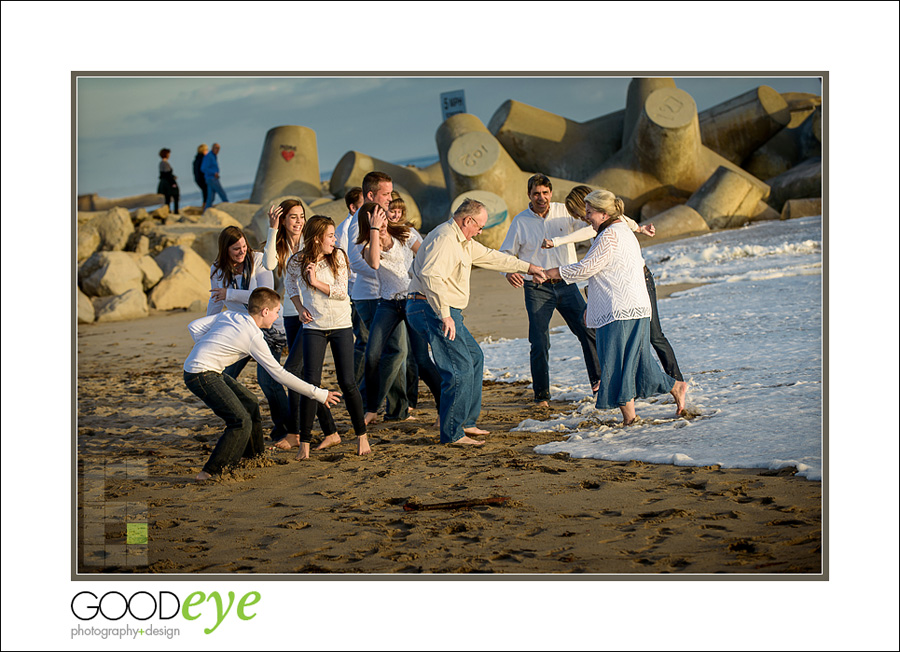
142 437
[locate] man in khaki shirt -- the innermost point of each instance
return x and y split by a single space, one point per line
439 291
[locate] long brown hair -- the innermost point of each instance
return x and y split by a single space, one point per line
399 230
228 236
282 242
313 233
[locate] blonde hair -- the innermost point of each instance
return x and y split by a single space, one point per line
606 202
202 149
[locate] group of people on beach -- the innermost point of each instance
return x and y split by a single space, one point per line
206 176
389 304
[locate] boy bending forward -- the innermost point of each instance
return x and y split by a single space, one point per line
225 338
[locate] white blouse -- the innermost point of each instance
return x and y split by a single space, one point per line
329 311
393 269
270 261
236 299
614 269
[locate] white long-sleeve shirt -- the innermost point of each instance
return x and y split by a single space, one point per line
365 285
614 270
329 311
270 262
528 230
587 232
342 235
225 338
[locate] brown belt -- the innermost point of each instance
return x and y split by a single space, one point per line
416 295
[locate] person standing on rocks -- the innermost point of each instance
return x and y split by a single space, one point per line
168 186
210 169
199 179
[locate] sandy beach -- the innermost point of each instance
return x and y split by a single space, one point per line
142 437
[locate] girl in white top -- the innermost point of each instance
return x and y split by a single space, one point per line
236 272
316 281
389 248
284 239
619 308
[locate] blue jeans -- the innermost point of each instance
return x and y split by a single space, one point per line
396 351
460 363
240 410
293 328
279 407
540 302
212 187
388 316
314 343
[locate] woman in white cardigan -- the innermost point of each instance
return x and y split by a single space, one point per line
285 238
236 272
619 310
317 282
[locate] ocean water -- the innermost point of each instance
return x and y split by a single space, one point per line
749 344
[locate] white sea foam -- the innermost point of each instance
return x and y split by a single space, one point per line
748 343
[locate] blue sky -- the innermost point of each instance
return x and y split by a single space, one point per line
124 121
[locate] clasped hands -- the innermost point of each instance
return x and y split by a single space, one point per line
538 275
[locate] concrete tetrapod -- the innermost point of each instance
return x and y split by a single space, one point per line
425 185
556 146
665 156
727 199
472 159
499 217
288 165
739 126
639 90
788 147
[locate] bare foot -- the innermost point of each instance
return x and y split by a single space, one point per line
475 430
329 441
202 476
304 451
287 443
468 441
679 391
595 387
541 404
362 445
370 418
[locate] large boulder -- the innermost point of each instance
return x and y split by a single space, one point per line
88 241
185 280
128 305
110 273
151 270
181 256
179 289
114 227
243 212
219 217
85 309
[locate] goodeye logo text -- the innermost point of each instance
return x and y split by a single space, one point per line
165 605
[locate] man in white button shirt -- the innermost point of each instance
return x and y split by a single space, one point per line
353 199
545 220
377 187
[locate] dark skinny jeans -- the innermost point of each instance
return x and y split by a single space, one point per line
314 344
